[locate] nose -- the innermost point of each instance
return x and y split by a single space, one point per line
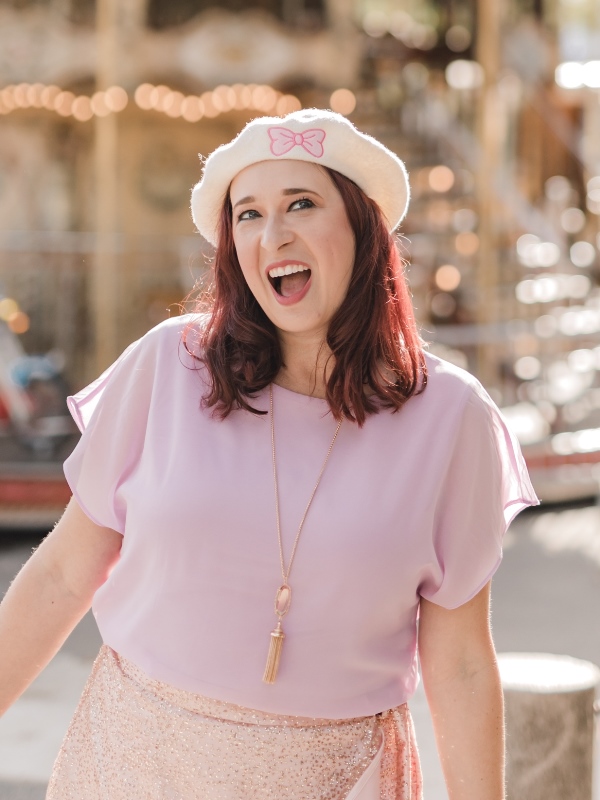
276 233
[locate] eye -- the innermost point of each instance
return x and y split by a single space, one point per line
249 214
302 203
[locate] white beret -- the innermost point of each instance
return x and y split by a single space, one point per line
314 135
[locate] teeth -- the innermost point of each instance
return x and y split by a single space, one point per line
279 272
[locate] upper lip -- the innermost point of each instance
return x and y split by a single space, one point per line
284 263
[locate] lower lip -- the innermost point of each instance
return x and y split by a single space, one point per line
293 298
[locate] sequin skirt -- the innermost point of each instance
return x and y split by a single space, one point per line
135 738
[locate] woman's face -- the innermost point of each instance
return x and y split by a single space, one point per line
293 241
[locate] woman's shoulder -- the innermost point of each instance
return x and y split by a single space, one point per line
174 330
445 377
450 386
175 341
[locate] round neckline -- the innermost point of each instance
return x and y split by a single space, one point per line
298 397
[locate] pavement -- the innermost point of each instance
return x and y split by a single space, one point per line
546 598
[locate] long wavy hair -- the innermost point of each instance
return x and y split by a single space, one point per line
377 353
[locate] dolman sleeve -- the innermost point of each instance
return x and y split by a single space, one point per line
485 485
112 414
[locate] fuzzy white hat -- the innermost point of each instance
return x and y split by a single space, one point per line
321 137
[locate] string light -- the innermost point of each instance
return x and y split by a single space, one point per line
16 319
343 101
191 108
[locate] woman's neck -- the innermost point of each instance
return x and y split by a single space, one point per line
307 365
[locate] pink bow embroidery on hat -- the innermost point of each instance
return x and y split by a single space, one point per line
283 140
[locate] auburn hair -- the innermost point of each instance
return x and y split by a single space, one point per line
377 353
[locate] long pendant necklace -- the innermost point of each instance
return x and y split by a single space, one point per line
283 597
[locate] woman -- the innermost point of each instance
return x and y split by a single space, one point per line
265 499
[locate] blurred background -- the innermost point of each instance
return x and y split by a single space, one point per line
105 106
494 105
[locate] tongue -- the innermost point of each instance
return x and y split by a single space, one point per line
294 283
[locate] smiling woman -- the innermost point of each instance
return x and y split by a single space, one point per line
292 243
294 482
309 332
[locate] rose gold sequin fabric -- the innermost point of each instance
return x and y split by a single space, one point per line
134 738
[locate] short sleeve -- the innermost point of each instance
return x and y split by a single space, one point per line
112 414
484 486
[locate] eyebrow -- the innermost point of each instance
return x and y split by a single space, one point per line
285 193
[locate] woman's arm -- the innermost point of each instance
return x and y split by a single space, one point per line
462 684
50 595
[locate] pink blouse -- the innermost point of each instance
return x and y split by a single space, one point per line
414 504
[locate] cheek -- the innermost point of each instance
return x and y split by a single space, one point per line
244 258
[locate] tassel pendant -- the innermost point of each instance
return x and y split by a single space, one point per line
277 637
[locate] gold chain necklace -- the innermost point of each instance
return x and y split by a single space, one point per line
283 597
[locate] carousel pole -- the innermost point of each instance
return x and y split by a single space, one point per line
103 284
489 126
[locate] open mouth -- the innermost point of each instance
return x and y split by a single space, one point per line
289 280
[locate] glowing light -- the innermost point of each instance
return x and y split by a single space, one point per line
547 254
64 103
592 205
585 441
583 254
458 38
116 98
375 23
34 95
534 253
441 178
401 25
582 360
143 96
287 104
578 320
527 422
549 288
343 101
82 109
20 95
48 97
98 104
572 220
224 98
171 104
463 74
593 184
467 243
423 37
8 307
160 98
157 96
264 98
210 110
591 74
19 322
447 278
565 385
192 109
579 286
8 101
527 368
569 75
593 195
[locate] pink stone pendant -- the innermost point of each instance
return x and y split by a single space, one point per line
283 598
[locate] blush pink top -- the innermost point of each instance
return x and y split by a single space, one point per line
414 504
